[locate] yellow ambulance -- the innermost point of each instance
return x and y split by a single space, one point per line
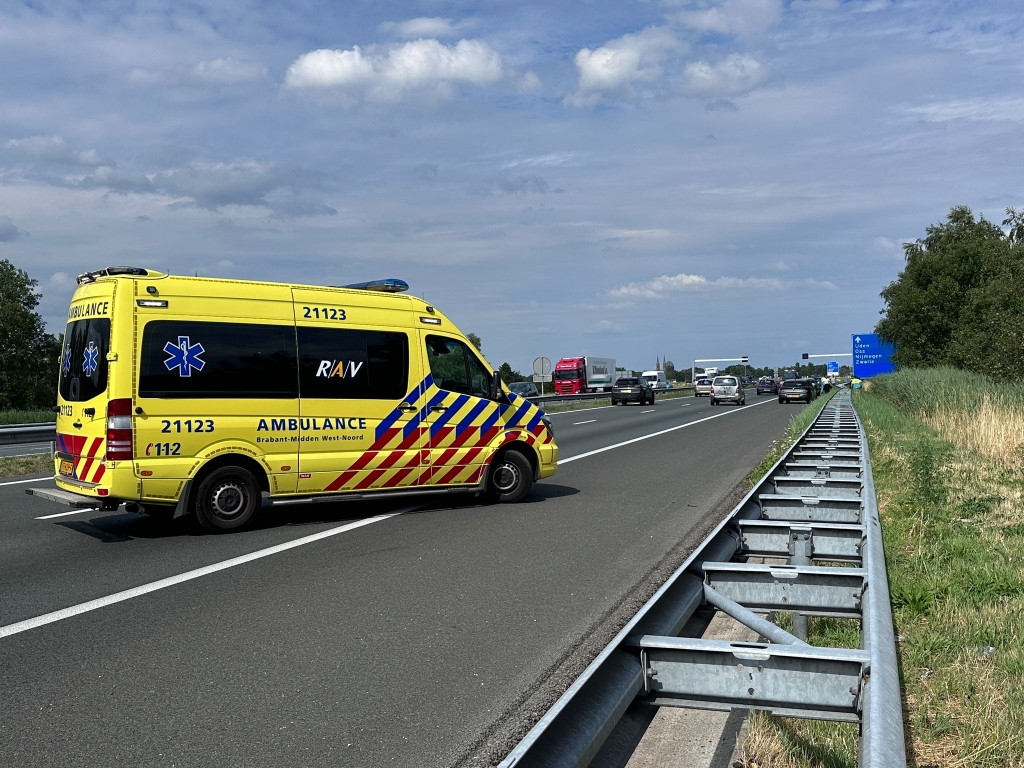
210 397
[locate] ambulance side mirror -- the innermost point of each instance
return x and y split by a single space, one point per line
494 389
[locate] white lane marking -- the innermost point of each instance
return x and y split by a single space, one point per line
32 480
685 404
64 514
653 434
574 411
588 421
170 581
650 411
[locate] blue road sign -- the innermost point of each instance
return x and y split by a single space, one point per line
871 356
832 366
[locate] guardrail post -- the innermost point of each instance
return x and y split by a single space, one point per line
800 548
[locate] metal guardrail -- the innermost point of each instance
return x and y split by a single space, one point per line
816 504
596 395
16 434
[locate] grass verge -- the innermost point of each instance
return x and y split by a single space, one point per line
26 417
798 424
25 465
950 494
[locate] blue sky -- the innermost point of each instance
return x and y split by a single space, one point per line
627 179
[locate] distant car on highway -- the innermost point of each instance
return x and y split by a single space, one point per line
524 388
632 389
656 379
702 388
792 390
767 387
727 389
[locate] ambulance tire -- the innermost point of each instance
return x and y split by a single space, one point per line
510 478
226 499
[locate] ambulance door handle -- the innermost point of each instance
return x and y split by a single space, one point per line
407 408
439 408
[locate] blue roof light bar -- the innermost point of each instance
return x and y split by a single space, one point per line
390 285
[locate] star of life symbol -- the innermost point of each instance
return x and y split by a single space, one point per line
90 361
184 356
65 365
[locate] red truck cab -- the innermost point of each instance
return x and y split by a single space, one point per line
571 376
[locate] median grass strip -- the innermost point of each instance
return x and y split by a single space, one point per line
947 457
25 465
798 424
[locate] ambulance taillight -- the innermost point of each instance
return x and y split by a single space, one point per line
119 429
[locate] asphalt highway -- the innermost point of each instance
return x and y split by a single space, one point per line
389 633
24 449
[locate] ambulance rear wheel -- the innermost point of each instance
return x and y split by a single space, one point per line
226 499
511 477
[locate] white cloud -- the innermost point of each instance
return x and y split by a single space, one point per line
988 109
53 149
635 234
606 326
743 18
425 65
59 278
735 75
781 266
889 247
227 71
530 83
550 159
814 5
426 26
213 72
661 287
618 64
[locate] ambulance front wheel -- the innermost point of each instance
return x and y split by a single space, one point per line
226 499
511 477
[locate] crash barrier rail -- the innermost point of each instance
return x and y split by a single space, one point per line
16 434
595 395
816 509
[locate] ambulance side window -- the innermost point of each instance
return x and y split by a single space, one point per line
447 358
195 359
455 368
478 376
343 363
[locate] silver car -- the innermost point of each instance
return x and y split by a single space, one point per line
727 389
702 388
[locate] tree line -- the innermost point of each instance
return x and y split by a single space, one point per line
959 300
29 356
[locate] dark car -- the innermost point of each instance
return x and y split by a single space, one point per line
796 389
627 390
767 387
524 388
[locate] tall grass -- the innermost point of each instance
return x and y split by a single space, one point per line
26 417
951 501
967 409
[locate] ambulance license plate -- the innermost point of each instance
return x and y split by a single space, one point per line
67 468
